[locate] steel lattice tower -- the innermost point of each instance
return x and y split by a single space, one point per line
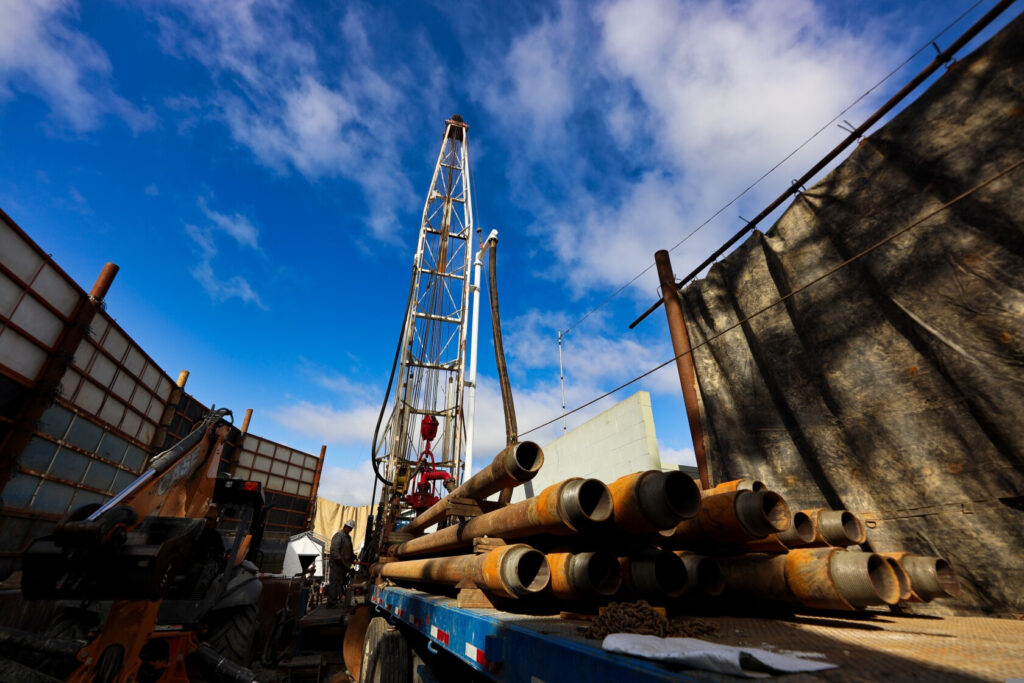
430 379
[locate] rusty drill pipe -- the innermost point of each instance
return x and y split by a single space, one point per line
650 501
702 572
653 573
562 508
735 485
839 528
735 516
517 464
582 576
800 532
902 577
827 578
930 577
510 571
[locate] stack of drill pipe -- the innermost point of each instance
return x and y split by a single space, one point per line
929 577
517 464
827 578
731 517
510 571
584 576
560 509
653 573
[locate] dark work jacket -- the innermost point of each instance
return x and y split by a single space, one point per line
341 549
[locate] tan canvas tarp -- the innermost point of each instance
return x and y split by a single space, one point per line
330 516
892 386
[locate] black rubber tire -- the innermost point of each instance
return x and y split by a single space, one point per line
387 657
70 623
232 633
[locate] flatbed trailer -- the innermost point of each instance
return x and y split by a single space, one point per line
500 646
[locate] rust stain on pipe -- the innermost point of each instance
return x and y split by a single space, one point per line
684 361
826 578
650 501
583 576
510 571
800 532
734 517
562 508
735 485
516 464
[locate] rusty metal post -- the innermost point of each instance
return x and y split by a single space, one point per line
182 378
245 420
684 361
103 282
316 487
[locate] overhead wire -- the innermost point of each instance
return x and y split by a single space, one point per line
885 240
786 158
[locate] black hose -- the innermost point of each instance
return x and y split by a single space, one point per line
387 392
511 428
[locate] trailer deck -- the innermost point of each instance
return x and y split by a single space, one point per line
866 646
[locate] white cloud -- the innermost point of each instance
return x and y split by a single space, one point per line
239 228
676 456
42 54
293 113
347 485
337 426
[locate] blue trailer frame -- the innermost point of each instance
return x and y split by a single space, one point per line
503 648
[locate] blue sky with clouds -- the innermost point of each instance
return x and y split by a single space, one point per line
258 168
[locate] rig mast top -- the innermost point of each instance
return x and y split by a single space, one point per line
422 447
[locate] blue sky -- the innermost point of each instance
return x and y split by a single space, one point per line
258 168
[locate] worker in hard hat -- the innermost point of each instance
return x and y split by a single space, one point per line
341 557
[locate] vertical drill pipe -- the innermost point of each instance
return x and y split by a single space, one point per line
516 464
651 501
733 517
930 577
559 509
653 573
702 572
684 361
510 571
584 576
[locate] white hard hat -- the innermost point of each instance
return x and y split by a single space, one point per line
349 524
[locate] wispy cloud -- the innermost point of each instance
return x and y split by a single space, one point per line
42 54
278 99
240 229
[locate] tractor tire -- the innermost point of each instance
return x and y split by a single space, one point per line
387 657
232 633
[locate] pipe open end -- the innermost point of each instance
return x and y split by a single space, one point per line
802 527
841 528
668 498
527 459
599 573
586 501
709 576
763 512
932 577
948 579
751 485
670 574
864 578
902 578
525 571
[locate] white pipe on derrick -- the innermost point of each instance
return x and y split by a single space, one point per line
470 382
